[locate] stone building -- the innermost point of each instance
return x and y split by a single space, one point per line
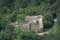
35 23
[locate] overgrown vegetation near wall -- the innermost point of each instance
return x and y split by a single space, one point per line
16 10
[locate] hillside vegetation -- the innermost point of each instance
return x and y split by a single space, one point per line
16 10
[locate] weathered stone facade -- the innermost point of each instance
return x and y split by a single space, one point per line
35 23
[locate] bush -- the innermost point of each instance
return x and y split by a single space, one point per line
48 21
6 31
54 33
24 35
7 34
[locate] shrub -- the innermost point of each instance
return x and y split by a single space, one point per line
24 35
54 33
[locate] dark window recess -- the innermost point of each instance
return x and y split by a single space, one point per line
37 22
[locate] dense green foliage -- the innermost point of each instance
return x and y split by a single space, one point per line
16 10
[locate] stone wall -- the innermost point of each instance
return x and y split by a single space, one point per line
34 23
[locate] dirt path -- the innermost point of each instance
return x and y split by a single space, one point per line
42 34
